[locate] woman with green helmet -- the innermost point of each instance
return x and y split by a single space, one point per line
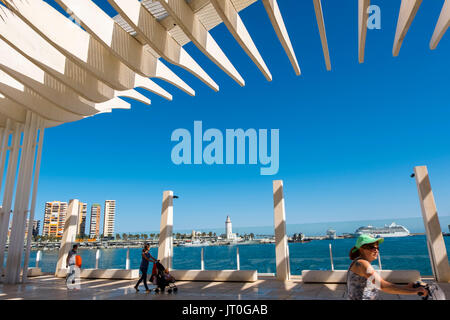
363 282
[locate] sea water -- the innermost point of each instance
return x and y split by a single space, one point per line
402 253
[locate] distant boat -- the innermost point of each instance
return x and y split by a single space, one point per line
195 243
393 230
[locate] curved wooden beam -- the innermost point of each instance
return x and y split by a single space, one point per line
25 40
126 48
184 17
322 32
273 11
408 10
230 17
153 33
441 26
363 15
20 94
79 47
24 71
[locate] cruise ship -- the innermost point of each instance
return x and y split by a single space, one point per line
393 230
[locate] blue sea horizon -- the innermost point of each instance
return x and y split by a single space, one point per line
413 224
400 253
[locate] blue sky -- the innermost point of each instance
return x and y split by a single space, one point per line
349 138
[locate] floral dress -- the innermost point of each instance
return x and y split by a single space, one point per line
360 288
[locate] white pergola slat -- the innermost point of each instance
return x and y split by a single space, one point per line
152 33
277 21
441 26
186 19
120 43
231 19
27 97
322 32
363 6
408 10
25 40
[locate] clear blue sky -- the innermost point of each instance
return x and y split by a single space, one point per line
349 138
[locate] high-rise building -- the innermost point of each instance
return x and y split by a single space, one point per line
36 227
95 221
54 218
35 232
109 216
81 223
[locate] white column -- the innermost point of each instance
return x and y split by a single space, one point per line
435 240
127 262
4 149
68 238
281 243
238 262
97 258
7 195
202 259
16 243
165 249
33 200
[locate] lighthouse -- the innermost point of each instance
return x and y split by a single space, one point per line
228 230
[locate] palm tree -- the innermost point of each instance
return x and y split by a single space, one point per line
145 236
117 236
124 236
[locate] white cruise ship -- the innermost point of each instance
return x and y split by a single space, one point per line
393 230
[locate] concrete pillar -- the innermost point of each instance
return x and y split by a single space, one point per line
165 249
68 238
281 241
20 212
435 240
33 200
5 211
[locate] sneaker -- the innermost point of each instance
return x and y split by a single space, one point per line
135 287
148 291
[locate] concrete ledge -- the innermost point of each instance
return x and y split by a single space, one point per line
34 272
340 276
216 275
122 274
118 274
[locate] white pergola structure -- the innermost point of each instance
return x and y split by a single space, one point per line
57 68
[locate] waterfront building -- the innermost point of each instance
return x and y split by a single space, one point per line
54 218
81 222
109 216
331 234
95 221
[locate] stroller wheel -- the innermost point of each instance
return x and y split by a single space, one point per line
157 290
169 291
175 289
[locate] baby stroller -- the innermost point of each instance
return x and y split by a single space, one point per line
162 278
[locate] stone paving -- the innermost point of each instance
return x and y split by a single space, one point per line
47 287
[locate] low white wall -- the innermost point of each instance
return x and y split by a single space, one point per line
119 274
215 275
34 272
124 274
340 276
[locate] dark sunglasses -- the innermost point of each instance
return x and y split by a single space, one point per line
371 247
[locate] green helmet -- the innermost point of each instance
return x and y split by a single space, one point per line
365 239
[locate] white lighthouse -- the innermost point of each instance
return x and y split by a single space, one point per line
228 229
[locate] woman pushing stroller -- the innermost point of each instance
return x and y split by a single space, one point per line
146 258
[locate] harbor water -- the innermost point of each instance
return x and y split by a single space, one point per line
402 253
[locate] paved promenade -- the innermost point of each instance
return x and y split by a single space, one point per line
48 287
